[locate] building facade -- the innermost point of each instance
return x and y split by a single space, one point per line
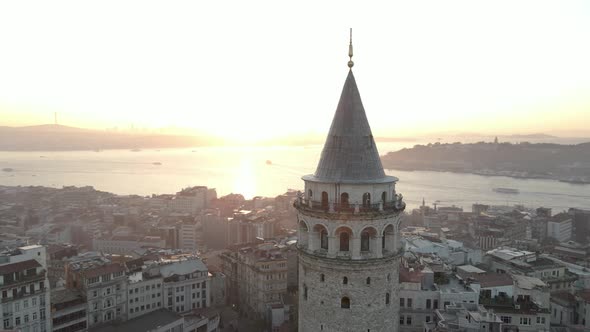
25 290
348 217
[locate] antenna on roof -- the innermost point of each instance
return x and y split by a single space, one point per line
350 63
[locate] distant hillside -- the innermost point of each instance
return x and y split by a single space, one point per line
57 137
570 163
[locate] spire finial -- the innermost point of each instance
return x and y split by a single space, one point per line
350 63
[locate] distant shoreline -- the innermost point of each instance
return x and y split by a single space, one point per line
546 161
486 175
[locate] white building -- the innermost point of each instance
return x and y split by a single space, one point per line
123 245
560 227
186 284
25 289
144 294
419 295
349 216
102 283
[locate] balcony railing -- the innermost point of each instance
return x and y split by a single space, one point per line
349 208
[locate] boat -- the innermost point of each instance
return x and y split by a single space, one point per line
506 190
8 169
157 163
268 162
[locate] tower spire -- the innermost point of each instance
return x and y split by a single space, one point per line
350 63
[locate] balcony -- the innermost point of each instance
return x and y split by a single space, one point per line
349 208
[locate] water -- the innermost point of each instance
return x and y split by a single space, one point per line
245 170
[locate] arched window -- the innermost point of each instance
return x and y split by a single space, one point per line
368 280
366 199
344 200
344 241
384 196
309 194
322 277
345 303
345 280
365 241
387 298
325 203
389 277
324 239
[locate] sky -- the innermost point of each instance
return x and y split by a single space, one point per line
261 69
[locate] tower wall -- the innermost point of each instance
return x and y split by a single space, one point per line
321 310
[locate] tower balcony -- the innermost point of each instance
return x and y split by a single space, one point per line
350 208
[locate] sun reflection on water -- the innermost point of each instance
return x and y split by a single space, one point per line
245 178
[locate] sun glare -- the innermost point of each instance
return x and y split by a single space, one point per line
245 178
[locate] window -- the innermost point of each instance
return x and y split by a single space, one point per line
427 319
402 302
34 301
428 303
6 323
324 239
345 303
435 304
409 303
94 293
506 319
345 280
387 298
525 321
402 320
368 280
344 200
304 292
409 320
325 203
344 241
366 200
365 241
322 277
17 321
25 303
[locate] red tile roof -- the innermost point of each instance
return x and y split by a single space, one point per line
494 279
405 275
19 266
100 270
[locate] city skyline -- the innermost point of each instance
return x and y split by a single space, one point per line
499 69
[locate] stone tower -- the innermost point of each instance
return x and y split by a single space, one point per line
349 216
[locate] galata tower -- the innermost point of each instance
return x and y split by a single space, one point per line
349 218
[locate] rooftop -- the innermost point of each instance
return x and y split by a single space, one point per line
487 280
19 266
144 323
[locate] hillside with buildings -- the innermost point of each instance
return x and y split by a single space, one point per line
568 163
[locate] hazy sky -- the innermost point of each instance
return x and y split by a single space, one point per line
254 69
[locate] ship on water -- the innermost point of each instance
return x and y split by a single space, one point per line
506 190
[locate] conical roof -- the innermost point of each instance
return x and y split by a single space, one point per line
350 153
